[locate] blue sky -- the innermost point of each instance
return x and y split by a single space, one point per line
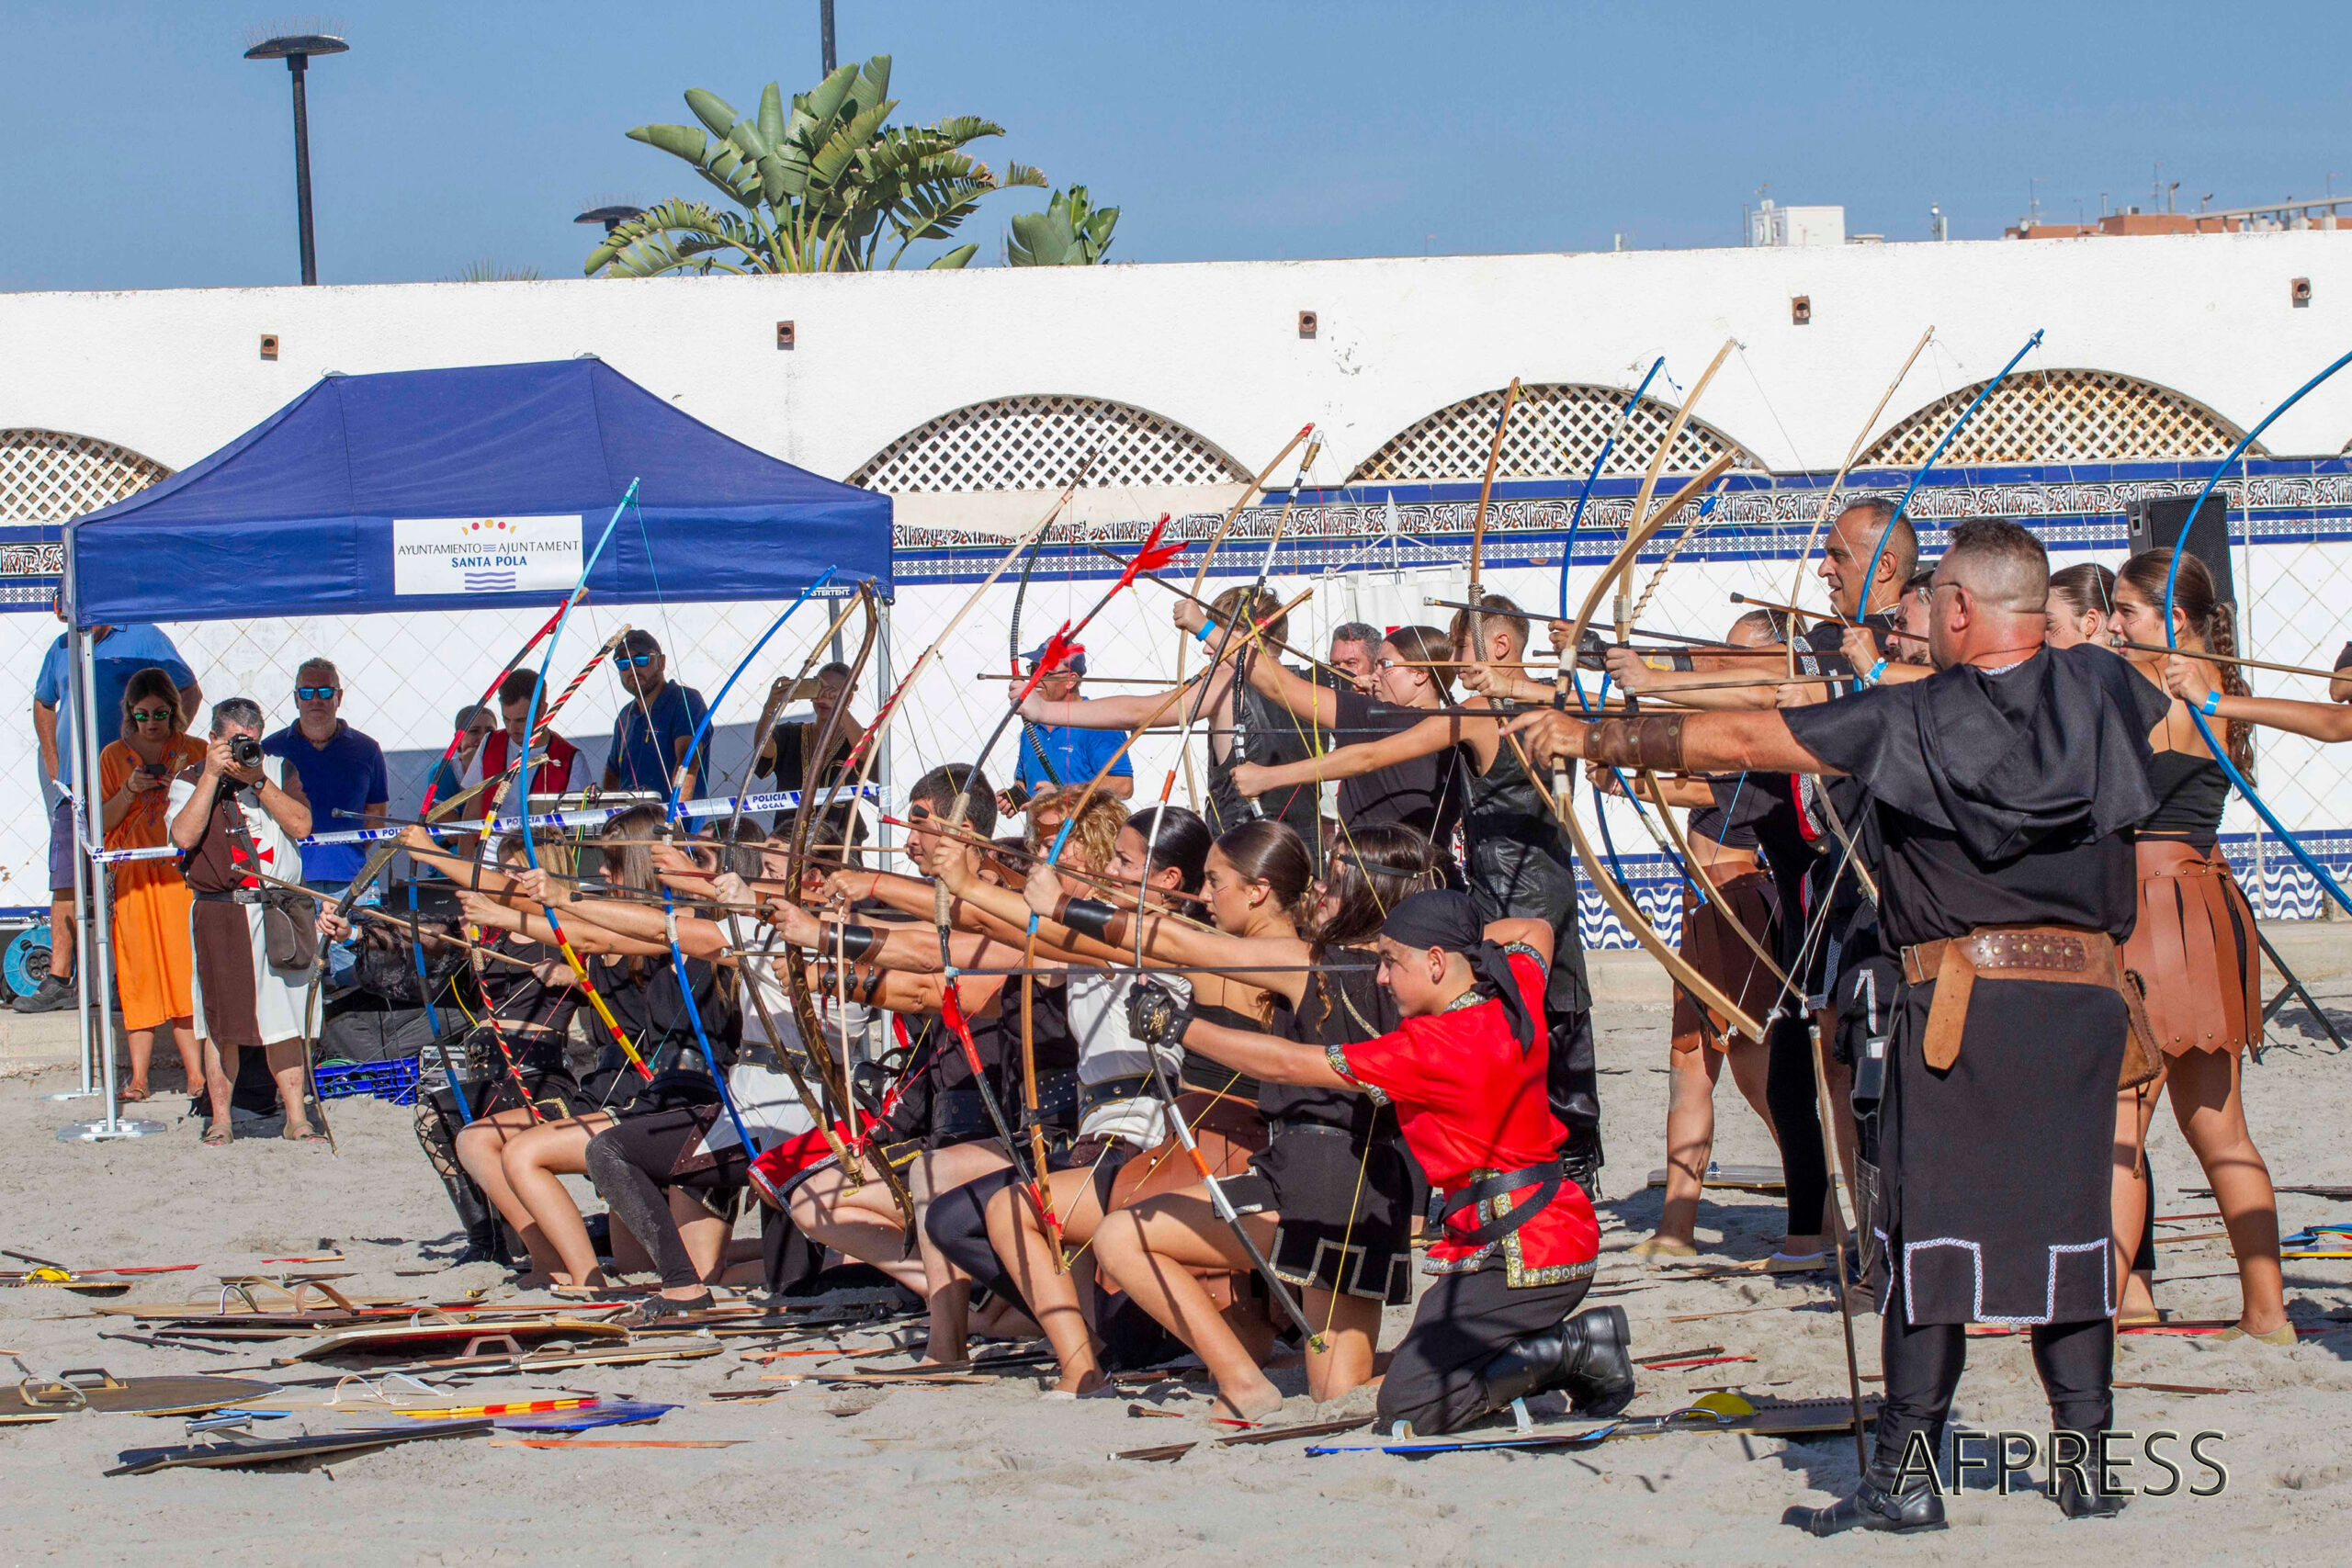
144 153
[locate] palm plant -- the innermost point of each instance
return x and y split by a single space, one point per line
827 188
1071 231
492 272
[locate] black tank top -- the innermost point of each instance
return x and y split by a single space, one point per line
2190 792
1214 1078
1521 861
1740 807
515 996
1338 1009
646 1002
1270 735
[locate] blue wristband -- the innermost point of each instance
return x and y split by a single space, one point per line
1203 631
2211 704
1876 670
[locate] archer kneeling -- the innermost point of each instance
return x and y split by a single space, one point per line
1465 1072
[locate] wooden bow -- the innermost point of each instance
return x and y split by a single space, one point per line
1637 534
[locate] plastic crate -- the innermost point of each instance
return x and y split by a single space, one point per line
394 1080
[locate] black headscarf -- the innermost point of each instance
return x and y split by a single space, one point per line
1440 918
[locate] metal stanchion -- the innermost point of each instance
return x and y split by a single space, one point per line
91 964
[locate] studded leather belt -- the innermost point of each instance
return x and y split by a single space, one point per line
2061 954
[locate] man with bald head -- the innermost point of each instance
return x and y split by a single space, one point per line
2000 791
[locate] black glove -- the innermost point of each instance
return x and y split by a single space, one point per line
1156 1016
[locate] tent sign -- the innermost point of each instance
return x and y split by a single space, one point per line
448 556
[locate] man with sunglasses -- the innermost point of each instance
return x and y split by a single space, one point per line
1072 755
653 731
116 653
343 776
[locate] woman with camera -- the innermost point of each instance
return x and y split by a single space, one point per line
152 961
233 813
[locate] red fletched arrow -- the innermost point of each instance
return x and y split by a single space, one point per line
1152 556
1057 648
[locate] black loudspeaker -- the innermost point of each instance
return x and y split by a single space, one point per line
2156 522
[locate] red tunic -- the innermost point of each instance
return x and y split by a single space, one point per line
550 773
1472 1105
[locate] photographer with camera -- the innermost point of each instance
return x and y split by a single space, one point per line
237 813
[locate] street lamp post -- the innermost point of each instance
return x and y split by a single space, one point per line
296 50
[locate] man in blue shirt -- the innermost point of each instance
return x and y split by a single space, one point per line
118 653
653 731
343 777
1075 756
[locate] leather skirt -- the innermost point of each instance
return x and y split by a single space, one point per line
1716 951
2195 950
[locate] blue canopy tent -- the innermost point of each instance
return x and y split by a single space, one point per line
302 515
477 488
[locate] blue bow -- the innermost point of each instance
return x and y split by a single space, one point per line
2172 577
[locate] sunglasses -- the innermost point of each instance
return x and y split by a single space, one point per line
316 694
159 716
634 661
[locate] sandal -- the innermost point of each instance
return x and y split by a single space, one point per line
217 1134
1664 1246
653 1309
301 1133
2283 1334
1796 1263
133 1096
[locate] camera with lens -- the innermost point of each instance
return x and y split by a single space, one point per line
244 750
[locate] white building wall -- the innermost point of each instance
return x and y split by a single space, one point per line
175 374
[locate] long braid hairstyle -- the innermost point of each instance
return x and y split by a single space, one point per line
2212 620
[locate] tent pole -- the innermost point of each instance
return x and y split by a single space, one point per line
95 963
886 681
80 933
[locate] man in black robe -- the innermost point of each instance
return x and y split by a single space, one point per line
2001 792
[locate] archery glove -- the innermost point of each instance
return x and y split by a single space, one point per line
1156 1016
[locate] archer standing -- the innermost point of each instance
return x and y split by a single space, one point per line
2002 793
1055 757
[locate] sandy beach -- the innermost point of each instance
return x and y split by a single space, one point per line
990 1473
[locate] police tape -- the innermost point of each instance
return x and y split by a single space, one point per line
593 817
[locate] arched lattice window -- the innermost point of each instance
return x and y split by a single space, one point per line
2061 416
1556 430
1037 443
48 476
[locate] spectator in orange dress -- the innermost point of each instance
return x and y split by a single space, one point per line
151 958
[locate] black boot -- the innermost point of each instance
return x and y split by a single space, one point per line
482 1245
2072 1500
2077 1504
1586 1355
1875 1504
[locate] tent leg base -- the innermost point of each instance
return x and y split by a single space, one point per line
108 1132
